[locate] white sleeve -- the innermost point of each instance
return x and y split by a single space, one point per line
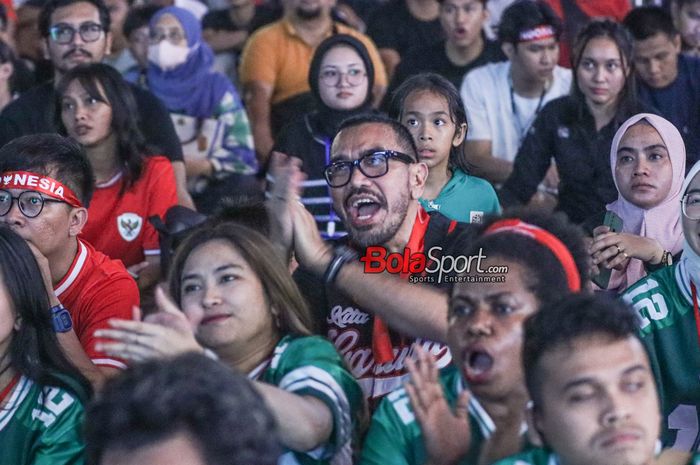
474 99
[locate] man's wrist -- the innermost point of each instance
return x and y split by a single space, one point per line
335 261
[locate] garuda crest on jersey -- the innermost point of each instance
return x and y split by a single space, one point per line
129 226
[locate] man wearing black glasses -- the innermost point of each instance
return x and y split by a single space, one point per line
45 187
77 32
372 318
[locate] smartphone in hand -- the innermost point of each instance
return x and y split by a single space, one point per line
614 222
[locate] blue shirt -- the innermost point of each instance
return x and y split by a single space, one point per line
679 102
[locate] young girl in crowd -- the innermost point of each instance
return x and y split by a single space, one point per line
648 165
341 77
41 393
97 109
435 419
577 130
431 108
243 305
206 109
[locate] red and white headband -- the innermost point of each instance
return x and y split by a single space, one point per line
543 31
548 240
39 183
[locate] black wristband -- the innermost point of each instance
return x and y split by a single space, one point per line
342 255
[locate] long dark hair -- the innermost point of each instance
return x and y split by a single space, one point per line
131 145
627 103
34 350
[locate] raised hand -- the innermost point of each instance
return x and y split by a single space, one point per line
164 334
446 433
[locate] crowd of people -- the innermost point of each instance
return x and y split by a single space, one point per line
374 232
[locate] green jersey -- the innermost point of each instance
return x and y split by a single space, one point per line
310 366
395 437
664 303
464 198
40 426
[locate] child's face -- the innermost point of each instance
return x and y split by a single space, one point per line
427 116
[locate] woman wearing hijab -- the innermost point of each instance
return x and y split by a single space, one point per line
341 77
206 109
647 157
667 304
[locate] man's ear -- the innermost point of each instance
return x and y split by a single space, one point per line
6 70
78 219
45 48
534 430
677 42
508 50
419 176
108 43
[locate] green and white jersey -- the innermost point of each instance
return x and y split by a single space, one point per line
310 366
40 426
664 303
395 437
535 456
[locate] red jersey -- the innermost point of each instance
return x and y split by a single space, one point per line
95 289
118 225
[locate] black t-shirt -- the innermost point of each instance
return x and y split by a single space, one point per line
220 20
566 132
433 58
35 112
393 26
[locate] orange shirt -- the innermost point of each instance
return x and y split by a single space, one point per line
276 55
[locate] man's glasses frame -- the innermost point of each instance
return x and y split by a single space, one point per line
23 202
64 34
373 164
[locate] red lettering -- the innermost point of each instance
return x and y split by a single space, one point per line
374 259
418 263
394 262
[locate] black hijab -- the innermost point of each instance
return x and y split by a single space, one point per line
329 119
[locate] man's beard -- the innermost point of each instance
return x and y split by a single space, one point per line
308 14
380 234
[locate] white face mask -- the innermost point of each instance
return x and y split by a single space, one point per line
166 55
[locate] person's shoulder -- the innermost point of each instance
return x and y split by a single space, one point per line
156 165
272 31
101 270
35 98
562 75
535 456
488 74
52 407
653 282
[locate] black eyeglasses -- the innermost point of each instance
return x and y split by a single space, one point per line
31 203
64 33
372 165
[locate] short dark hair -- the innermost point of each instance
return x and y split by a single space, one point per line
138 17
438 85
647 21
131 144
153 401
62 158
404 138
523 15
52 5
560 323
545 275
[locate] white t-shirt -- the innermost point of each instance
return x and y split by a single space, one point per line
486 93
